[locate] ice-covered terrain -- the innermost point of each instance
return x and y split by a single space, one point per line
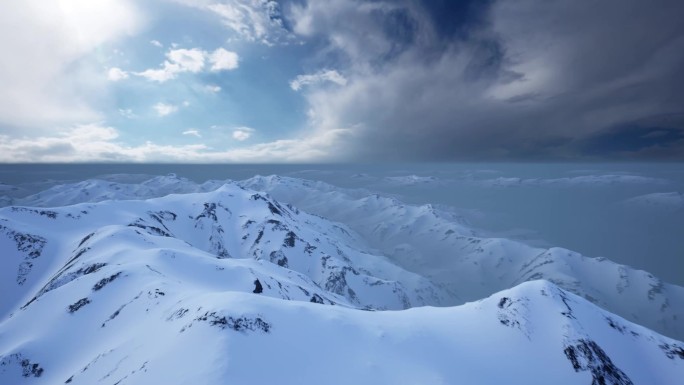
432 243
663 202
583 180
276 279
97 190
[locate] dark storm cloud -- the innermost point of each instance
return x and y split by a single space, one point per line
453 18
650 139
514 79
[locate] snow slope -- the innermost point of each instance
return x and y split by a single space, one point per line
231 286
194 319
433 244
114 188
665 202
436 245
582 180
228 223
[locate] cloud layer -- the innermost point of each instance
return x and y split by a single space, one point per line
532 81
98 143
343 80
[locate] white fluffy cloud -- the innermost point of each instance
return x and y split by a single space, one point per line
191 60
222 59
156 43
96 143
164 109
322 76
115 74
178 61
242 133
41 41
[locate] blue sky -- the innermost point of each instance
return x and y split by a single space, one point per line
340 80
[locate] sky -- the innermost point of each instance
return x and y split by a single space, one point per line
260 81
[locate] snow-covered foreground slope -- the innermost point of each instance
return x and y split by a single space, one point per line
436 245
195 319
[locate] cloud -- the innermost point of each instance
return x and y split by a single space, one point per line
187 60
115 74
531 81
127 113
74 142
156 43
43 42
250 20
97 143
321 76
164 109
192 132
222 59
212 88
242 133
178 61
191 60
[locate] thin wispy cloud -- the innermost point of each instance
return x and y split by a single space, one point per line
192 132
212 88
127 113
319 77
251 20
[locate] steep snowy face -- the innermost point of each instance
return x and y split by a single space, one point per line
438 246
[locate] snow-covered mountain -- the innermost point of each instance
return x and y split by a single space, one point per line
436 245
432 243
669 202
225 283
582 180
229 223
169 327
113 188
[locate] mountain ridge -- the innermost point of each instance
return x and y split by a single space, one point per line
219 283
